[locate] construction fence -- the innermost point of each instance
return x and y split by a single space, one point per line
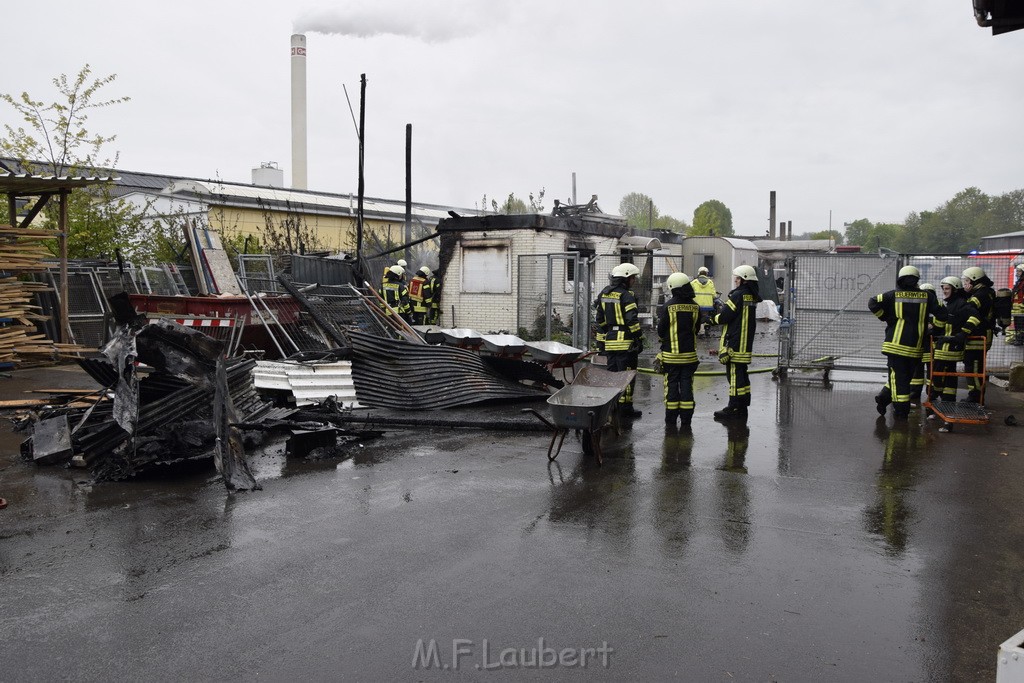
826 322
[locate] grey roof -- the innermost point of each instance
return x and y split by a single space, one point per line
1019 233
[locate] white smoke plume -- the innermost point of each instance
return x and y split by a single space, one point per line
427 20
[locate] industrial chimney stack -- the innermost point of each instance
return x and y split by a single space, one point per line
299 111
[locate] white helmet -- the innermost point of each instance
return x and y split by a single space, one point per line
424 271
703 270
909 270
1020 269
952 281
745 273
402 263
974 273
625 270
397 270
677 280
928 286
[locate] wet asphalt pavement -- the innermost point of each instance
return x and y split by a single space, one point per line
819 542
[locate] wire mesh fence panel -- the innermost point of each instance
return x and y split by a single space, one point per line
826 307
256 272
188 279
553 298
158 281
112 281
339 308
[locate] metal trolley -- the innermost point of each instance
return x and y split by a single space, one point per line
959 412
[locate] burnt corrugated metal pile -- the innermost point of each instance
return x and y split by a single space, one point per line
184 409
396 374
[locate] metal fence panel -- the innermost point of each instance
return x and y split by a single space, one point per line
825 306
826 311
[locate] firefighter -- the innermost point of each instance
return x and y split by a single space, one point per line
401 264
619 321
735 350
905 312
980 293
678 320
704 291
962 319
434 312
421 295
395 293
920 380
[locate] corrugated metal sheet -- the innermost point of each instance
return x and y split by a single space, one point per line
404 376
308 382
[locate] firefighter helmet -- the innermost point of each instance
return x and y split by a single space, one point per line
746 273
1020 269
402 263
703 270
952 281
677 280
974 273
424 271
929 286
910 271
625 270
397 271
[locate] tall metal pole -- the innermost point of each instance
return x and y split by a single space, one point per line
362 140
408 192
771 215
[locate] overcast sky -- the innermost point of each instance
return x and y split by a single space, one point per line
865 108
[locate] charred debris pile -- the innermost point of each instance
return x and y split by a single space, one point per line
192 405
191 402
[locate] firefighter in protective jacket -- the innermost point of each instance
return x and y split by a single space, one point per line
421 295
905 312
962 319
678 320
619 321
395 293
736 348
980 293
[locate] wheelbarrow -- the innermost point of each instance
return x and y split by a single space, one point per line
586 405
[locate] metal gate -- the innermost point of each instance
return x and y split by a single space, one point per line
554 298
826 322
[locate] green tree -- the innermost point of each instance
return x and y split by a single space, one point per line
57 142
639 210
712 218
858 232
1008 212
667 222
833 235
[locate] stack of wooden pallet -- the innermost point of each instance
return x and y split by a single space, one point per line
22 252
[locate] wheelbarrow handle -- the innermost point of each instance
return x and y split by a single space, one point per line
540 417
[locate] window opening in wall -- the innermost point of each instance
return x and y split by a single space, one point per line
486 268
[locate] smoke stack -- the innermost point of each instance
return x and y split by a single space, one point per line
299 111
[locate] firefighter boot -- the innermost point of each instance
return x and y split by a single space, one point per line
671 416
731 412
882 400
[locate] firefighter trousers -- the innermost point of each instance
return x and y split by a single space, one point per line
624 360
